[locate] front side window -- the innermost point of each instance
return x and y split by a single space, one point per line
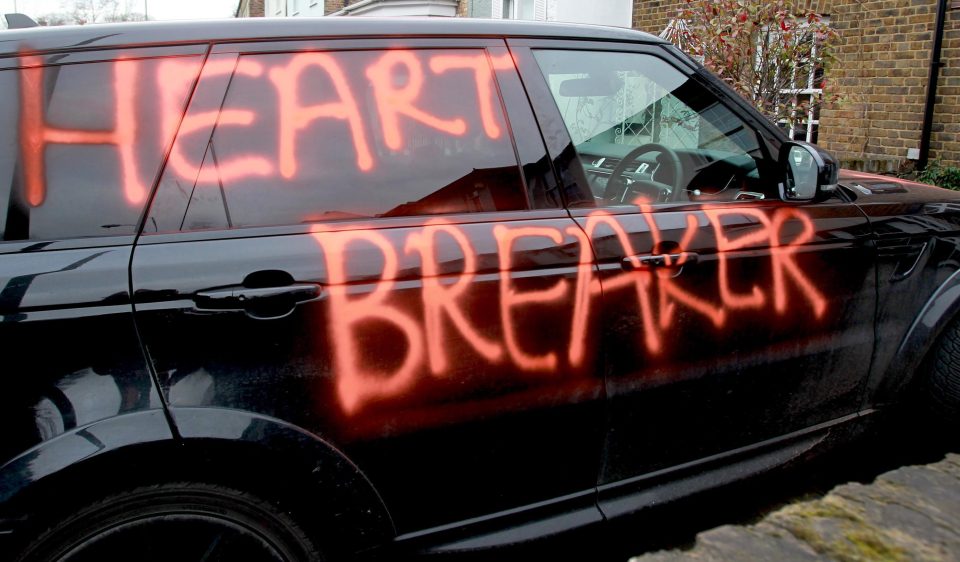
323 136
646 132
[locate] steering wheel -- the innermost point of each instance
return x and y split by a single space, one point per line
618 190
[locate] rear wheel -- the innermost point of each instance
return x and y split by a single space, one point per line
177 521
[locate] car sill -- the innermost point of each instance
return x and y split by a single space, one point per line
578 510
632 495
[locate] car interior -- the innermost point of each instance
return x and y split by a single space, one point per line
644 132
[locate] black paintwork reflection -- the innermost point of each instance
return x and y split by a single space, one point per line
917 229
12 294
765 371
74 357
515 436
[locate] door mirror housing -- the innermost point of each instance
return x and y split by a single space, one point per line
807 171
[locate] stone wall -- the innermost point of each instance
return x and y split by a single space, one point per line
907 514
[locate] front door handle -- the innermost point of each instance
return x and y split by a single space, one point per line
659 261
261 303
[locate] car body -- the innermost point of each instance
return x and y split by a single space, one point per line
443 284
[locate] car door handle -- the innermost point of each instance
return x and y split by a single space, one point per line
659 261
262 303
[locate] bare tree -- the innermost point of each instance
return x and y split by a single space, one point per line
54 19
82 12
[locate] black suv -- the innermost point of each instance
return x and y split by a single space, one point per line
289 290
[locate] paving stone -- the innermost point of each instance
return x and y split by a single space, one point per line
912 513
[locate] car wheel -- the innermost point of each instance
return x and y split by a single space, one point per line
177 521
943 384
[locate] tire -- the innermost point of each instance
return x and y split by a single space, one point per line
180 522
943 383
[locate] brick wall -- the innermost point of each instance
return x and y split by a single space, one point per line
653 16
330 6
881 73
945 141
250 9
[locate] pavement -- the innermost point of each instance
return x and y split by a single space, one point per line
911 513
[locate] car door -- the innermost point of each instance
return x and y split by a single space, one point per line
731 318
81 146
369 247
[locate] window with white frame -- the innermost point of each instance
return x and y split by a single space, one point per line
804 94
518 9
802 90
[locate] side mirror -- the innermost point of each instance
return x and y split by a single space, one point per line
807 171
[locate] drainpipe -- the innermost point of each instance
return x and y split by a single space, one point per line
935 64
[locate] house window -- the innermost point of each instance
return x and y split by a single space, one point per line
804 92
518 9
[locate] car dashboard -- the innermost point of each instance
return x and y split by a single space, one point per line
706 175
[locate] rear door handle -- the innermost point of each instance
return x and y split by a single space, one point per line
659 261
262 303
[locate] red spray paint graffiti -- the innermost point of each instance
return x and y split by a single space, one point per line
659 295
511 299
355 385
294 117
36 133
440 300
238 167
394 104
397 79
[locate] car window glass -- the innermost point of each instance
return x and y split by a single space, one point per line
646 132
325 136
82 144
8 141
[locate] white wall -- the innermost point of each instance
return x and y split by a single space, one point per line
602 12
311 8
446 8
271 7
292 8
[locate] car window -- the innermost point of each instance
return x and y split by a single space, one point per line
8 142
324 136
82 144
644 131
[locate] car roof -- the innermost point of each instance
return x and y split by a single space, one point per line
76 37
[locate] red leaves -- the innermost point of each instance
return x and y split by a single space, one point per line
765 49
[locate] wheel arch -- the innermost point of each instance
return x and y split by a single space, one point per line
940 310
285 464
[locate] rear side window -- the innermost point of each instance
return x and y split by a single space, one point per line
81 144
324 136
